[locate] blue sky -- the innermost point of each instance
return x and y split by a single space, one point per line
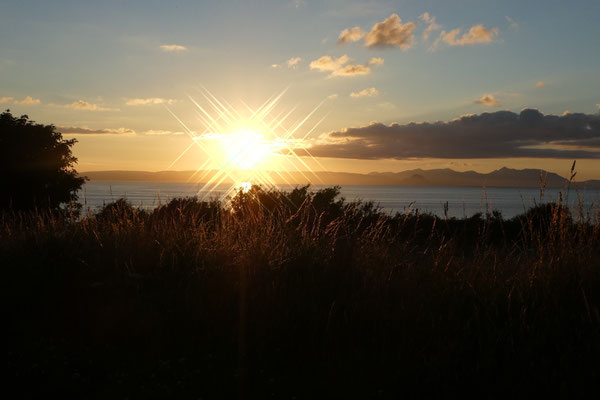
541 54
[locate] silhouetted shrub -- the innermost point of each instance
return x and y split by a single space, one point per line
36 165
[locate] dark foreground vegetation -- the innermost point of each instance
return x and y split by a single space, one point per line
300 295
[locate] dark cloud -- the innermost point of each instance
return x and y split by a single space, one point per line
500 134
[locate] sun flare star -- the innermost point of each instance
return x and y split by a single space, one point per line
250 146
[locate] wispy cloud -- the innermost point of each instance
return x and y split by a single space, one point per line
475 35
173 47
159 132
298 3
512 24
375 61
431 25
4 100
75 130
293 62
339 67
28 101
149 101
352 70
370 92
327 63
351 35
500 134
540 84
488 100
84 105
332 96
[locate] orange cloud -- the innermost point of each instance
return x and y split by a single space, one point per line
540 84
339 66
149 101
84 105
431 25
391 33
375 61
173 47
488 100
28 101
365 93
326 63
4 100
352 70
476 34
350 35
292 62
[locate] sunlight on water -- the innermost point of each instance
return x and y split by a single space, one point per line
462 201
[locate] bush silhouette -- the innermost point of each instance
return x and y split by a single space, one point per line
36 165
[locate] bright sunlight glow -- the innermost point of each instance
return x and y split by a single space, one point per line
246 149
250 145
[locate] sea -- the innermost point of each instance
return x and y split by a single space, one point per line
454 201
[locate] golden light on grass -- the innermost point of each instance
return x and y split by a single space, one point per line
249 145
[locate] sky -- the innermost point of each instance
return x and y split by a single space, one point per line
366 86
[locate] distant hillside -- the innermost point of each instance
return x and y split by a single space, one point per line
504 177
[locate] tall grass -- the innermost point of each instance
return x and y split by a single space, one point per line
300 294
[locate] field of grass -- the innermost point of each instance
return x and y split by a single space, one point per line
300 295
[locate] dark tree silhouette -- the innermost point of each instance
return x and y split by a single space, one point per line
36 165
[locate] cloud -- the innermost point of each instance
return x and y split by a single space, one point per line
540 84
28 101
502 134
84 105
75 130
298 3
339 67
149 101
292 62
386 105
512 24
275 65
159 132
598 105
375 61
365 93
391 33
352 70
326 63
476 34
488 100
350 35
4 100
431 25
332 96
173 47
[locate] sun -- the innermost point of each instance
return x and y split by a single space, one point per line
249 146
246 149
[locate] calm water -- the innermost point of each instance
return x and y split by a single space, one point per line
462 201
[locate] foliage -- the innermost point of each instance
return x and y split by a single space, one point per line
36 165
298 294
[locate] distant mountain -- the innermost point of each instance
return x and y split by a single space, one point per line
504 177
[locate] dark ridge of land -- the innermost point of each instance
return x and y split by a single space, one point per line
300 295
504 177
